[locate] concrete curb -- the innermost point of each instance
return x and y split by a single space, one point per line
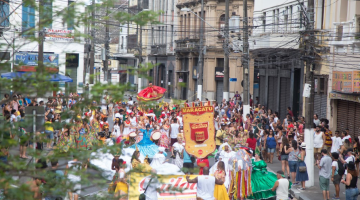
297 194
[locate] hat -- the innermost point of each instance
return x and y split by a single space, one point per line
222 124
303 145
350 150
147 125
351 165
161 149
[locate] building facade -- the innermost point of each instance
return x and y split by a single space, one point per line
61 49
160 47
187 49
341 22
276 52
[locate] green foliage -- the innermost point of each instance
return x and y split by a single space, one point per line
15 177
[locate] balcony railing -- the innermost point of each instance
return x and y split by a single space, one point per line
158 49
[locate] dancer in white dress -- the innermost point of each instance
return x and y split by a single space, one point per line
160 164
225 154
177 151
127 128
133 122
116 133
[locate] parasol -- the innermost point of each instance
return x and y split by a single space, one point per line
151 93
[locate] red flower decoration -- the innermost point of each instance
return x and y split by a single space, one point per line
124 163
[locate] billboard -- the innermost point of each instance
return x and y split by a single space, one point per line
31 59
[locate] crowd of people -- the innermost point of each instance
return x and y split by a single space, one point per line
158 131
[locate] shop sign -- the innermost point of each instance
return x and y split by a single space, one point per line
219 73
171 187
346 81
59 35
348 97
31 59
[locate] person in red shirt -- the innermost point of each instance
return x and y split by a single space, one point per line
290 112
202 162
251 141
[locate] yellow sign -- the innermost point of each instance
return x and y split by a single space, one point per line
171 187
199 130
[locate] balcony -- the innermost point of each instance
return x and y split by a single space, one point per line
187 47
158 49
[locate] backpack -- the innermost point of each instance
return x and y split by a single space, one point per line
341 170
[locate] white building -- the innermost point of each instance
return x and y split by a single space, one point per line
61 49
274 48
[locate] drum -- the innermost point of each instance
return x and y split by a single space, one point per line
155 136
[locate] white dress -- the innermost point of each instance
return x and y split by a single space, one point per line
158 163
133 123
116 132
127 129
225 157
178 161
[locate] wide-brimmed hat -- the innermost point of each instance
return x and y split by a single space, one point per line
303 145
161 149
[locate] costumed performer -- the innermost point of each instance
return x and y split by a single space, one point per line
262 180
136 163
146 146
202 162
116 134
160 164
121 190
164 138
220 190
177 151
225 153
127 128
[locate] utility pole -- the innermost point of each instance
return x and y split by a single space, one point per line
309 102
245 62
226 53
139 9
41 68
107 47
201 49
92 47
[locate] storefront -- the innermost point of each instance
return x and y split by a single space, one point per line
345 102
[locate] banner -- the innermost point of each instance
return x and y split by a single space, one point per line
346 82
199 131
171 187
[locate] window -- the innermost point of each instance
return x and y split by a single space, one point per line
28 20
172 37
195 28
264 21
286 18
46 16
70 20
181 26
122 42
4 13
339 33
152 36
222 22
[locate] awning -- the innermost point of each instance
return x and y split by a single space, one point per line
348 97
24 75
182 71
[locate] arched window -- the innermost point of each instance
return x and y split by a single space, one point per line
222 22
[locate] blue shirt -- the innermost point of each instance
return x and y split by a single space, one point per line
187 158
271 143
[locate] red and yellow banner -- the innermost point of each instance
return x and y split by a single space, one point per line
199 130
171 187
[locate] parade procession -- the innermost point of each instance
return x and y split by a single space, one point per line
179 99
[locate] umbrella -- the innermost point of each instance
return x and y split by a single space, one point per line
52 77
151 93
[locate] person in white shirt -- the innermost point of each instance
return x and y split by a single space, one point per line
180 119
336 142
151 186
281 187
72 168
350 158
174 130
276 118
205 185
345 136
130 102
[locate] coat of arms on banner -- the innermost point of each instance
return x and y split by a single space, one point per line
199 130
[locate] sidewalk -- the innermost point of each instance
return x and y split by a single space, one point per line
311 193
